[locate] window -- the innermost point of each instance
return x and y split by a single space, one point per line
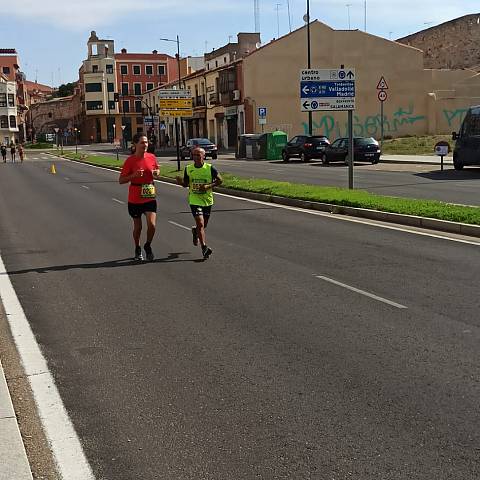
138 106
95 68
161 69
148 69
6 70
109 69
216 63
126 106
137 88
224 59
3 121
111 105
124 88
98 105
150 86
13 121
11 100
124 69
3 99
93 87
136 69
94 49
110 87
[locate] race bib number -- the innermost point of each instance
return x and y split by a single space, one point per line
196 187
148 190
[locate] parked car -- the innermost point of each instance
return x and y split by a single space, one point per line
305 147
209 147
366 149
467 140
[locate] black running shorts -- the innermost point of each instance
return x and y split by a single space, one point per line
137 209
198 210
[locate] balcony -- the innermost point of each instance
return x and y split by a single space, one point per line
199 101
226 98
213 98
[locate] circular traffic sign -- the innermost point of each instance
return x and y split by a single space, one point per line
314 105
382 95
341 74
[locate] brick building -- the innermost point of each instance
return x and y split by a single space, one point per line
112 84
454 44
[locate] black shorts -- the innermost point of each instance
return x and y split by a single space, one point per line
137 209
199 210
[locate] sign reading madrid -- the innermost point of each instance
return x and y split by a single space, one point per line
327 89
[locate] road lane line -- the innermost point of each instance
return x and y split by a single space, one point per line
336 217
361 292
84 186
62 438
118 201
180 226
66 178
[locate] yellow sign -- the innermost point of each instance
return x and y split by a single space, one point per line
168 103
176 113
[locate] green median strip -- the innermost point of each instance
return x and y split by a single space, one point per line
333 195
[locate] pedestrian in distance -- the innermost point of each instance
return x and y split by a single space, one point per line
21 152
3 149
139 170
200 178
13 150
167 141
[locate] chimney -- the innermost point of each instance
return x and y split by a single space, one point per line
124 50
154 52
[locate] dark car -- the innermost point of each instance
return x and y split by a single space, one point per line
467 140
305 147
209 147
366 149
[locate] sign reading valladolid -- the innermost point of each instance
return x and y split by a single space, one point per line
327 89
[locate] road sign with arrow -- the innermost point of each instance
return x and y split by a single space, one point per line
327 89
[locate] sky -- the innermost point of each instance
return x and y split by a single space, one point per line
50 36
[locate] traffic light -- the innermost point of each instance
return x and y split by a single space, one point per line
116 97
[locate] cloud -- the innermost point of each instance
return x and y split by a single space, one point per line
78 15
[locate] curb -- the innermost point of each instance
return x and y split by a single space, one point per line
396 218
13 457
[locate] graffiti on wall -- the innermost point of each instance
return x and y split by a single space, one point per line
369 126
455 118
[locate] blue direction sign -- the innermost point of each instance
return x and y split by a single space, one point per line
342 89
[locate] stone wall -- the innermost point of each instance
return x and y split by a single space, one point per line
454 44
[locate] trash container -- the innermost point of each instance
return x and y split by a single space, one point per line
242 145
275 143
255 146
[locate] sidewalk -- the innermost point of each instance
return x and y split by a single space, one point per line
416 159
12 451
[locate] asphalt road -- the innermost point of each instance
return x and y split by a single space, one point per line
261 363
402 180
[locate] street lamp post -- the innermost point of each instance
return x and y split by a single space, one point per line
310 120
177 41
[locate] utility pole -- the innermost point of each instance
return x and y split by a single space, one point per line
277 8
310 120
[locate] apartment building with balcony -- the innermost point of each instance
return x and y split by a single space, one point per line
8 111
112 85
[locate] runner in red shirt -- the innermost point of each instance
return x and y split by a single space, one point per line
140 169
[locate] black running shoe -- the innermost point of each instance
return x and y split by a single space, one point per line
138 254
207 251
148 252
195 236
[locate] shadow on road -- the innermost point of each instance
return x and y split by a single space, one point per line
451 174
124 262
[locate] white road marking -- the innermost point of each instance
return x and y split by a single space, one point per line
361 292
66 178
343 218
84 186
180 226
61 435
118 201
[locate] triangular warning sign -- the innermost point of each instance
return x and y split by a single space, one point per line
382 84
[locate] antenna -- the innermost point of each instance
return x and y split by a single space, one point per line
365 17
256 13
278 5
289 18
348 5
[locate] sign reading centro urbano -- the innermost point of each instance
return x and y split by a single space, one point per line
327 89
175 103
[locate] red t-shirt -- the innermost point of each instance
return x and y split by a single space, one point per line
131 165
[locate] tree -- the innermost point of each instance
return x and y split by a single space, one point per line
65 89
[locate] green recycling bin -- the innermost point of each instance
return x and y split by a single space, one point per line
276 141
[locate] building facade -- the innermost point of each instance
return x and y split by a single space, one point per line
8 111
420 101
112 85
